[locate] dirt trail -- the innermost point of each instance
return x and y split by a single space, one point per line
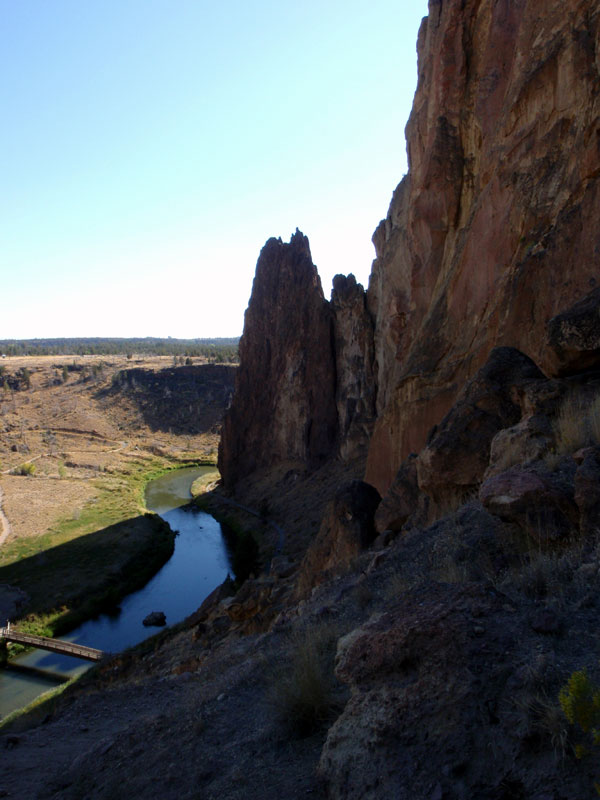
122 446
4 523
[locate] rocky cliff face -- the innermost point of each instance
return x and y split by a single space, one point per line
284 403
445 619
494 229
492 232
305 390
354 358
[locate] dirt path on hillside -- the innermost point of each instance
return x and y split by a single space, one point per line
4 523
122 446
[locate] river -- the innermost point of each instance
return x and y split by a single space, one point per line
199 563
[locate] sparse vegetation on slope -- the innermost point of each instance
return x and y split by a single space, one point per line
79 536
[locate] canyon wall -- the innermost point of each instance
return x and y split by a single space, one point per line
283 407
304 390
493 231
191 399
495 228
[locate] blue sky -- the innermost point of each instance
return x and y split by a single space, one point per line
149 148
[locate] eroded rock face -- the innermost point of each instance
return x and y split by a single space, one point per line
189 399
402 500
494 229
410 722
347 529
457 453
492 233
355 388
283 407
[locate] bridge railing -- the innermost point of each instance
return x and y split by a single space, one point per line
52 645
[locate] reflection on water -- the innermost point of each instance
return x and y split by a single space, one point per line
198 564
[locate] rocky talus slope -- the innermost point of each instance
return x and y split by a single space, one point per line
416 647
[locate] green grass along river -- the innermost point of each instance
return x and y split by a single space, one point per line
199 563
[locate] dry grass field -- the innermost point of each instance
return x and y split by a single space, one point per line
80 444
74 460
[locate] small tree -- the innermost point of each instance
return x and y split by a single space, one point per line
25 376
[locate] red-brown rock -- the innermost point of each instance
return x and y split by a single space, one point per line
494 230
347 529
458 449
355 380
540 506
401 501
283 407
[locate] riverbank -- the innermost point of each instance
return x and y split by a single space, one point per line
88 562
69 583
198 564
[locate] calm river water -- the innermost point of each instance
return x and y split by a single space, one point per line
199 563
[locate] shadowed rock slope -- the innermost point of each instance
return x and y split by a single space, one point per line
190 399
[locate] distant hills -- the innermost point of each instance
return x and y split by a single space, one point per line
224 349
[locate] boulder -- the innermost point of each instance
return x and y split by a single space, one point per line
419 677
458 449
347 529
402 499
155 618
541 505
573 337
527 441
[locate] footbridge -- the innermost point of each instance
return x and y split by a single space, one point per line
8 634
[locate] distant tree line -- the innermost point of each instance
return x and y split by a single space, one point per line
219 349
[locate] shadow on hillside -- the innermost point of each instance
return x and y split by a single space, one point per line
181 400
92 573
34 673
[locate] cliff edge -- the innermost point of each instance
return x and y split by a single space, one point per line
495 228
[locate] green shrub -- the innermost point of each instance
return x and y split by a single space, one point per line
577 424
580 702
304 692
25 469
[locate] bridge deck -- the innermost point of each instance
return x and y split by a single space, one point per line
53 645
